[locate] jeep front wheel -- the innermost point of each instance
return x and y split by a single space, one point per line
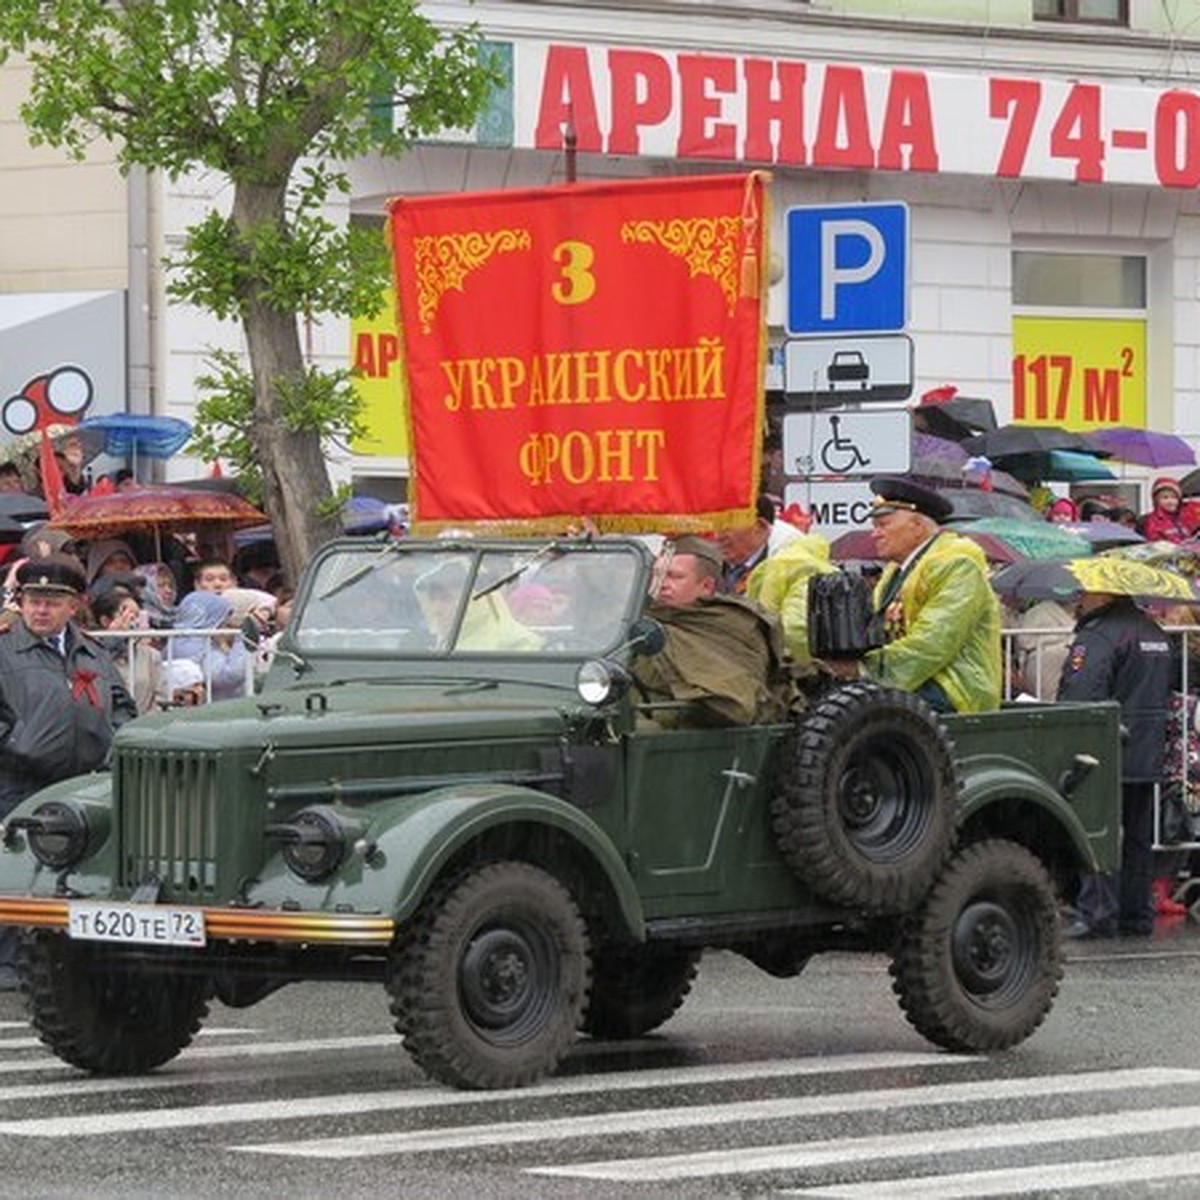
489 985
636 988
106 1020
978 967
867 798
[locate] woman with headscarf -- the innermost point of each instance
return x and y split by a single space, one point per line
222 658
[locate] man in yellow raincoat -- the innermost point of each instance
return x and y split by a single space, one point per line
941 616
780 584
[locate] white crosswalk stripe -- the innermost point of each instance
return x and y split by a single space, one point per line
937 1129
699 1116
417 1098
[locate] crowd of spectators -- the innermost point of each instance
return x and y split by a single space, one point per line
181 628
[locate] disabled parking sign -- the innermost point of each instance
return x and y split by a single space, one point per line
847 268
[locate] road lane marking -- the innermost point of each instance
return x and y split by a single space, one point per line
658 1120
802 1156
433 1096
1013 1181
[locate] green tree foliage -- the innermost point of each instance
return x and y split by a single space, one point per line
273 95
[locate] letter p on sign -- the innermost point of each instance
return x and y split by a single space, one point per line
847 269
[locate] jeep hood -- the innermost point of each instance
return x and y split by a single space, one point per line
354 714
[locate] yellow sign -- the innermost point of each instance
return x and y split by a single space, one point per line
375 353
1079 372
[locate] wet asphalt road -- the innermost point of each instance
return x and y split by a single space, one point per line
813 1086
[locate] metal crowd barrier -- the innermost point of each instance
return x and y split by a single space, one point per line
1180 772
161 640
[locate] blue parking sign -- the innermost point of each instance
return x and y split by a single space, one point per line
847 268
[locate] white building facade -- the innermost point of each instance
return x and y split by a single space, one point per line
1049 166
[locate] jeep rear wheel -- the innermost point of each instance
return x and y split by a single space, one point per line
106 1020
488 987
636 988
977 969
867 798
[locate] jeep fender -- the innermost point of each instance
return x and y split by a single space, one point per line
996 787
21 874
413 839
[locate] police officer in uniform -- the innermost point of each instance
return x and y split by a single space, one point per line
61 696
1119 653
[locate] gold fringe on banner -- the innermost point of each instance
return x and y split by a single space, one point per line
751 265
665 524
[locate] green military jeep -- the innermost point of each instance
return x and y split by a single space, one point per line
449 785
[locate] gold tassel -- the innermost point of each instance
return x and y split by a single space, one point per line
751 268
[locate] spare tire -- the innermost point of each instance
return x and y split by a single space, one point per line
867 798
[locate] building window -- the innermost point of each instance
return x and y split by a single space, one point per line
1084 12
1043 280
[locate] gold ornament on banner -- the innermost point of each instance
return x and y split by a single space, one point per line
709 246
442 263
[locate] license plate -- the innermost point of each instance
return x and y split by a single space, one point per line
135 924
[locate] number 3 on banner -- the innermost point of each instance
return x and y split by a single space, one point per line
577 284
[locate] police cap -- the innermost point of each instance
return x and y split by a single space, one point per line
895 493
57 574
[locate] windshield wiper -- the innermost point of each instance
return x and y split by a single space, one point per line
550 549
362 572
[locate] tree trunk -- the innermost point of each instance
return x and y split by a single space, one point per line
295 477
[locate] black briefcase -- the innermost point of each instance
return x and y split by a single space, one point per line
842 622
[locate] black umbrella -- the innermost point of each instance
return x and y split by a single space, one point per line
10 530
1010 440
968 503
959 418
1189 485
20 506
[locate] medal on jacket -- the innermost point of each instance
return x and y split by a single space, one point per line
893 620
83 683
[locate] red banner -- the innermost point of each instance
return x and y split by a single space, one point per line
585 350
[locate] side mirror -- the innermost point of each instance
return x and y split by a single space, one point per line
646 636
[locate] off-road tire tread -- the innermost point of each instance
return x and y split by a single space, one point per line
139 1023
422 980
923 976
808 829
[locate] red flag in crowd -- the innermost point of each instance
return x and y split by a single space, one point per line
53 489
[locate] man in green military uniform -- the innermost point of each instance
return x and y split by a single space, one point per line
721 664
941 616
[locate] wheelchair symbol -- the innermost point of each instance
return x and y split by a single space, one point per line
839 454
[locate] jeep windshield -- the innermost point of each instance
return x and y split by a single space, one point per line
462 599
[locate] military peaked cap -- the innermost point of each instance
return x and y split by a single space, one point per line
58 574
894 493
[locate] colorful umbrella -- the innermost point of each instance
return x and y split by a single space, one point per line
940 461
1073 466
1144 446
162 509
1181 557
1032 539
132 435
1070 578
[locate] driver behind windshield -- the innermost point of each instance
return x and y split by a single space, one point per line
487 624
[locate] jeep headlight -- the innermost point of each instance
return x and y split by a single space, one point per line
601 681
313 843
58 832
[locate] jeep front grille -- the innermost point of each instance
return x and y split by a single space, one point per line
168 820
